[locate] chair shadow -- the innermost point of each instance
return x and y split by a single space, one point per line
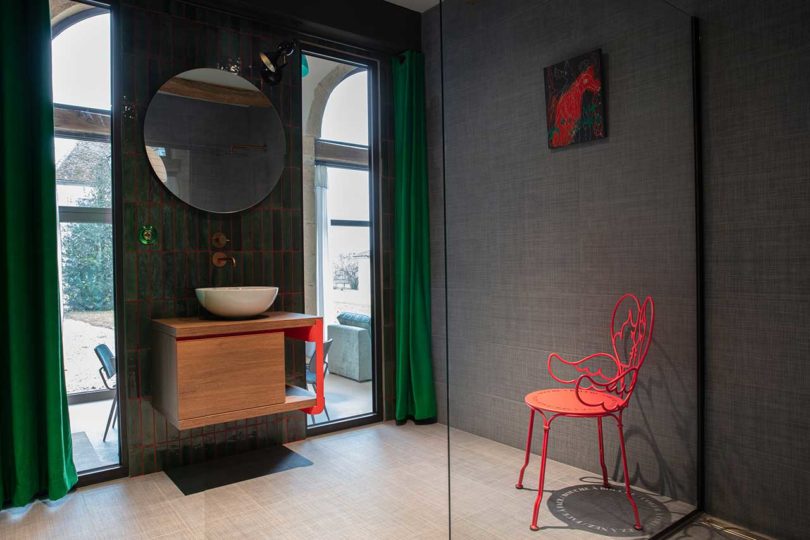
652 391
592 508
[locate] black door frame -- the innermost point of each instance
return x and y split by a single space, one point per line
371 65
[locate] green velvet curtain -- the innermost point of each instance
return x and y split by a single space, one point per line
35 445
415 393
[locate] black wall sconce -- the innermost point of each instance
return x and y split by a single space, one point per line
274 62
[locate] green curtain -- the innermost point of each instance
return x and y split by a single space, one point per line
35 445
415 393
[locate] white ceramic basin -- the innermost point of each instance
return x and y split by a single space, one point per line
237 302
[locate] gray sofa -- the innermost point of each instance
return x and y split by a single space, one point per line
350 355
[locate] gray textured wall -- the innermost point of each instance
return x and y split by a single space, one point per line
541 243
756 71
757 227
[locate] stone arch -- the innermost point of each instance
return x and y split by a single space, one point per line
311 130
322 93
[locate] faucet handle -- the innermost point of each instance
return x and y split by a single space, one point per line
219 240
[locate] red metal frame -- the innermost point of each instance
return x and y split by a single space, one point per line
312 333
596 393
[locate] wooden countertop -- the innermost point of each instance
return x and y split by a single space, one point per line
184 327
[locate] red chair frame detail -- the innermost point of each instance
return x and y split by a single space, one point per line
598 391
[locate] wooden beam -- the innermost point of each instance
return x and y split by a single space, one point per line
214 92
74 121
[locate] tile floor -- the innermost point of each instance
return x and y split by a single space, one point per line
710 528
379 481
485 503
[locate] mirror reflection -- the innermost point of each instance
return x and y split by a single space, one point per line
214 140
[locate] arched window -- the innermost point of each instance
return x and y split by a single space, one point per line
345 118
80 53
81 82
342 196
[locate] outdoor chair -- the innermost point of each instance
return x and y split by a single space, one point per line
107 372
311 374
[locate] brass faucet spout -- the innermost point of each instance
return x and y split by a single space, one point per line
219 260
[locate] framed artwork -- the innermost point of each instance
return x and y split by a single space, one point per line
575 106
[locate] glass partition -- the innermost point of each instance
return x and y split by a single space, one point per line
564 132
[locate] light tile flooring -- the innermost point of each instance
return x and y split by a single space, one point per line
376 482
710 528
485 503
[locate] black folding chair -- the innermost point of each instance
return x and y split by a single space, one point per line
107 371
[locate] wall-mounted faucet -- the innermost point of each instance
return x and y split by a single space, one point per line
219 260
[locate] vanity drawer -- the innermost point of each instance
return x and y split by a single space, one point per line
223 374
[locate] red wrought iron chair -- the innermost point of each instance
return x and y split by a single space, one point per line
600 389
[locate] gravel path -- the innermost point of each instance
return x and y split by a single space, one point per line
81 332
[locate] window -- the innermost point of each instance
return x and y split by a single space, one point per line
80 55
342 152
345 118
338 231
83 160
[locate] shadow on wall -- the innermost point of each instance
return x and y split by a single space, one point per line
655 392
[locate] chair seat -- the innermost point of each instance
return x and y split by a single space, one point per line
565 401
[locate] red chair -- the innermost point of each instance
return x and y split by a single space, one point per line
601 389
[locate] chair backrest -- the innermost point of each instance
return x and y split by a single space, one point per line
107 359
631 328
311 364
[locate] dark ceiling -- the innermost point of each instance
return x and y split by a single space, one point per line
371 24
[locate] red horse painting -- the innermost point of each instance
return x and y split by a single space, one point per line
574 105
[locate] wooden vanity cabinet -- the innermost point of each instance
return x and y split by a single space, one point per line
209 375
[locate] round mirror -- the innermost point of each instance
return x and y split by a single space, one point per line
214 140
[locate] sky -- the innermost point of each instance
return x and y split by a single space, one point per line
81 64
346 116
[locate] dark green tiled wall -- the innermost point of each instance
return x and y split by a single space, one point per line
159 40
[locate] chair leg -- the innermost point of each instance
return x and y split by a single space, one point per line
546 428
637 525
519 484
110 417
605 482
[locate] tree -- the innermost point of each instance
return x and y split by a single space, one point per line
346 273
87 253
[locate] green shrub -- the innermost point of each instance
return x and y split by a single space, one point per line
87 266
87 251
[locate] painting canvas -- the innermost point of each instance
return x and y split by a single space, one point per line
575 109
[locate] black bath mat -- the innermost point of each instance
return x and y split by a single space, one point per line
220 472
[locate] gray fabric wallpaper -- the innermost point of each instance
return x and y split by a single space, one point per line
756 71
542 243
